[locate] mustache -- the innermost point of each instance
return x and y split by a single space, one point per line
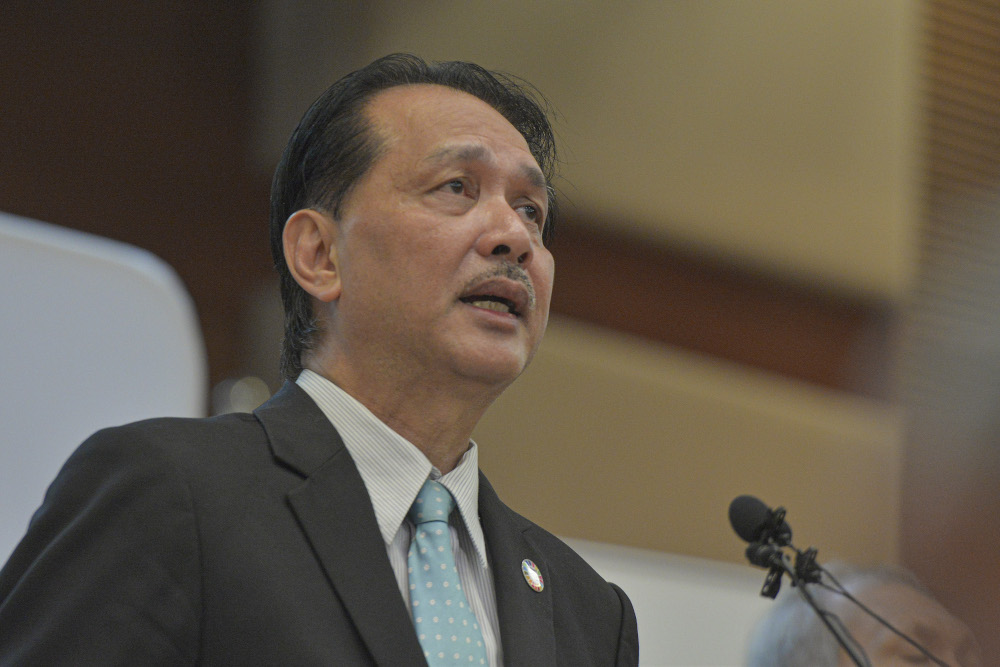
510 272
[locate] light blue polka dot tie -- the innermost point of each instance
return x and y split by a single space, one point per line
445 624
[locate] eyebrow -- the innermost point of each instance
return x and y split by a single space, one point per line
479 153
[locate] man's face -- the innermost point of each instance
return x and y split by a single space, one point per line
439 245
917 616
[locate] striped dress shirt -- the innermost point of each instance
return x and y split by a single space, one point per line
394 470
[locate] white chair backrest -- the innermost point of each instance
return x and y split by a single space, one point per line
93 333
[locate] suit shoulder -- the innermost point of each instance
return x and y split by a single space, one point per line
188 449
172 429
177 436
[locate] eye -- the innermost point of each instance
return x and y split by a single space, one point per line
533 214
530 212
455 187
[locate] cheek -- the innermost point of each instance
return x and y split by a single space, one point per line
544 270
390 254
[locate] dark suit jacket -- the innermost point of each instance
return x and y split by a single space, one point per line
249 539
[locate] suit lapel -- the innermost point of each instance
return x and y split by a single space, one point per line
333 508
526 628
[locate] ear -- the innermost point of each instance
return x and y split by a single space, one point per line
310 244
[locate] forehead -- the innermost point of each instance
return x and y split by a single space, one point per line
914 613
425 117
898 596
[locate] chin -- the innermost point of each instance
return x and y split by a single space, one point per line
498 370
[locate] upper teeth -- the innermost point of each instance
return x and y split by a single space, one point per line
498 306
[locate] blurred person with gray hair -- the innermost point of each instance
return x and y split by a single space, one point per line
793 635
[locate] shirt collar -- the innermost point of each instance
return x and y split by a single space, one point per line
392 468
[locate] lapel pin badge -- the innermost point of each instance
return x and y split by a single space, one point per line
532 575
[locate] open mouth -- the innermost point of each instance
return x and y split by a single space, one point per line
491 302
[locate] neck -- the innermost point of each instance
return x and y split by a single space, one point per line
437 418
440 429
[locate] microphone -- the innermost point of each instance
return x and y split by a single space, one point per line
767 532
765 555
755 522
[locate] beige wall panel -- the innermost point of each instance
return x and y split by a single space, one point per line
611 439
781 134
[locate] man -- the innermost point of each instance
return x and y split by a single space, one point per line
409 215
791 635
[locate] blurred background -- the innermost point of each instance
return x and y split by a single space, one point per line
778 269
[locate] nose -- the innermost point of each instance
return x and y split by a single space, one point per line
506 236
503 249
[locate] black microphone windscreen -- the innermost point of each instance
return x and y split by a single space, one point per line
764 555
748 515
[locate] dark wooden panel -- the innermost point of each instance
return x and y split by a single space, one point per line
704 304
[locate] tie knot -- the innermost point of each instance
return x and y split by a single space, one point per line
433 503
